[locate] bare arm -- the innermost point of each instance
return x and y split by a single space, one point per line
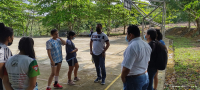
32 83
6 83
107 46
1 69
91 46
125 72
49 54
75 50
63 41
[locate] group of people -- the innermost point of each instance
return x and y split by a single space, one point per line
139 68
21 70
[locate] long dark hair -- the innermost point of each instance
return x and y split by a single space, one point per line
152 33
26 46
160 36
71 33
5 32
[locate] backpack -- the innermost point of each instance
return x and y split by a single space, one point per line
161 56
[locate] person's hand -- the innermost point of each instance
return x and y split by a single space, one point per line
76 49
103 54
52 63
91 52
123 79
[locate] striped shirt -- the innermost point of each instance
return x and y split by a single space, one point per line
5 53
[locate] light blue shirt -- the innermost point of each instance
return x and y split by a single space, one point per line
136 56
56 49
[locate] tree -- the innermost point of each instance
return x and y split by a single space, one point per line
188 6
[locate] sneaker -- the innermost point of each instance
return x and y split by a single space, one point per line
97 80
71 83
57 86
103 82
48 89
76 79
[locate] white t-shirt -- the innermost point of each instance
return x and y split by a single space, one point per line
136 56
19 69
99 42
5 53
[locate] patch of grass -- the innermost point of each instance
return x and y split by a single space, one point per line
187 61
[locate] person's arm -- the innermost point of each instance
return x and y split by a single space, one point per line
33 72
6 83
49 54
32 83
75 50
129 58
91 47
48 48
63 41
2 65
125 72
107 46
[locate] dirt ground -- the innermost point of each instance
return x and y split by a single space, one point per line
87 71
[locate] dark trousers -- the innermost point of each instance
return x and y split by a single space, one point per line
151 72
1 84
99 61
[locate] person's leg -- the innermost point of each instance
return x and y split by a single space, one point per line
96 61
57 72
70 72
53 73
102 65
151 73
135 83
128 84
146 83
156 80
76 70
70 82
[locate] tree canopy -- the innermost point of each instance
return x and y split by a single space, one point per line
38 17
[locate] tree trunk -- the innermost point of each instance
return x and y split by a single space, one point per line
108 32
189 26
39 29
124 29
109 17
124 24
32 25
79 24
70 26
198 25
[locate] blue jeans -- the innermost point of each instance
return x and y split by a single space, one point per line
99 61
151 72
137 83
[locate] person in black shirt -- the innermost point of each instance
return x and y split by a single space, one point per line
71 58
151 37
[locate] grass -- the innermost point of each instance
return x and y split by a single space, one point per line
187 62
